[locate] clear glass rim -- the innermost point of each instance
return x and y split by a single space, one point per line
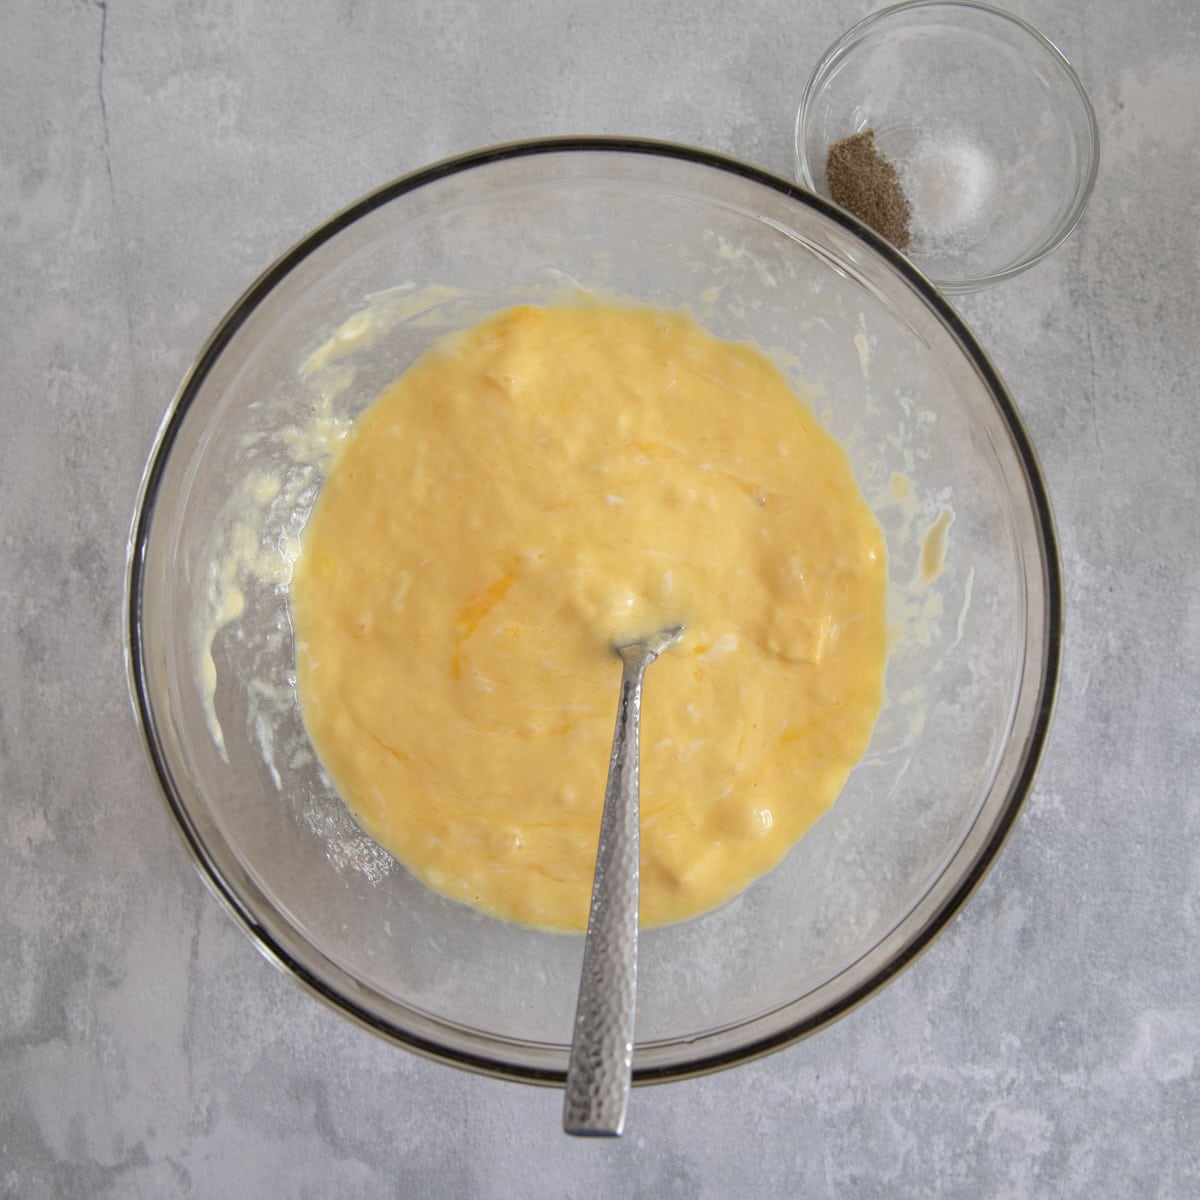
1084 187
415 1037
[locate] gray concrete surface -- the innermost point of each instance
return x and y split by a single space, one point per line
153 157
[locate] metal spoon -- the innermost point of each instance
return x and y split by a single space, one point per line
601 1063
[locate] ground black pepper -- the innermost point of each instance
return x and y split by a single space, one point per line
865 183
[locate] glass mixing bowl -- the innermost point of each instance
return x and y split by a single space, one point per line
940 453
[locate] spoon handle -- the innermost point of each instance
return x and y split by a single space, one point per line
601 1063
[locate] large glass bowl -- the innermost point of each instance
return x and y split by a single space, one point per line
932 435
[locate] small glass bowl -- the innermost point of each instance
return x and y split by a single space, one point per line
991 135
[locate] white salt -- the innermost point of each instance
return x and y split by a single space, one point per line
951 186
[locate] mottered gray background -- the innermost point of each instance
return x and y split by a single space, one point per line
153 158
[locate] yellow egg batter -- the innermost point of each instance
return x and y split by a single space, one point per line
529 492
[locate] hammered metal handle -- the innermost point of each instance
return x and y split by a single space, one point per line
601 1063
